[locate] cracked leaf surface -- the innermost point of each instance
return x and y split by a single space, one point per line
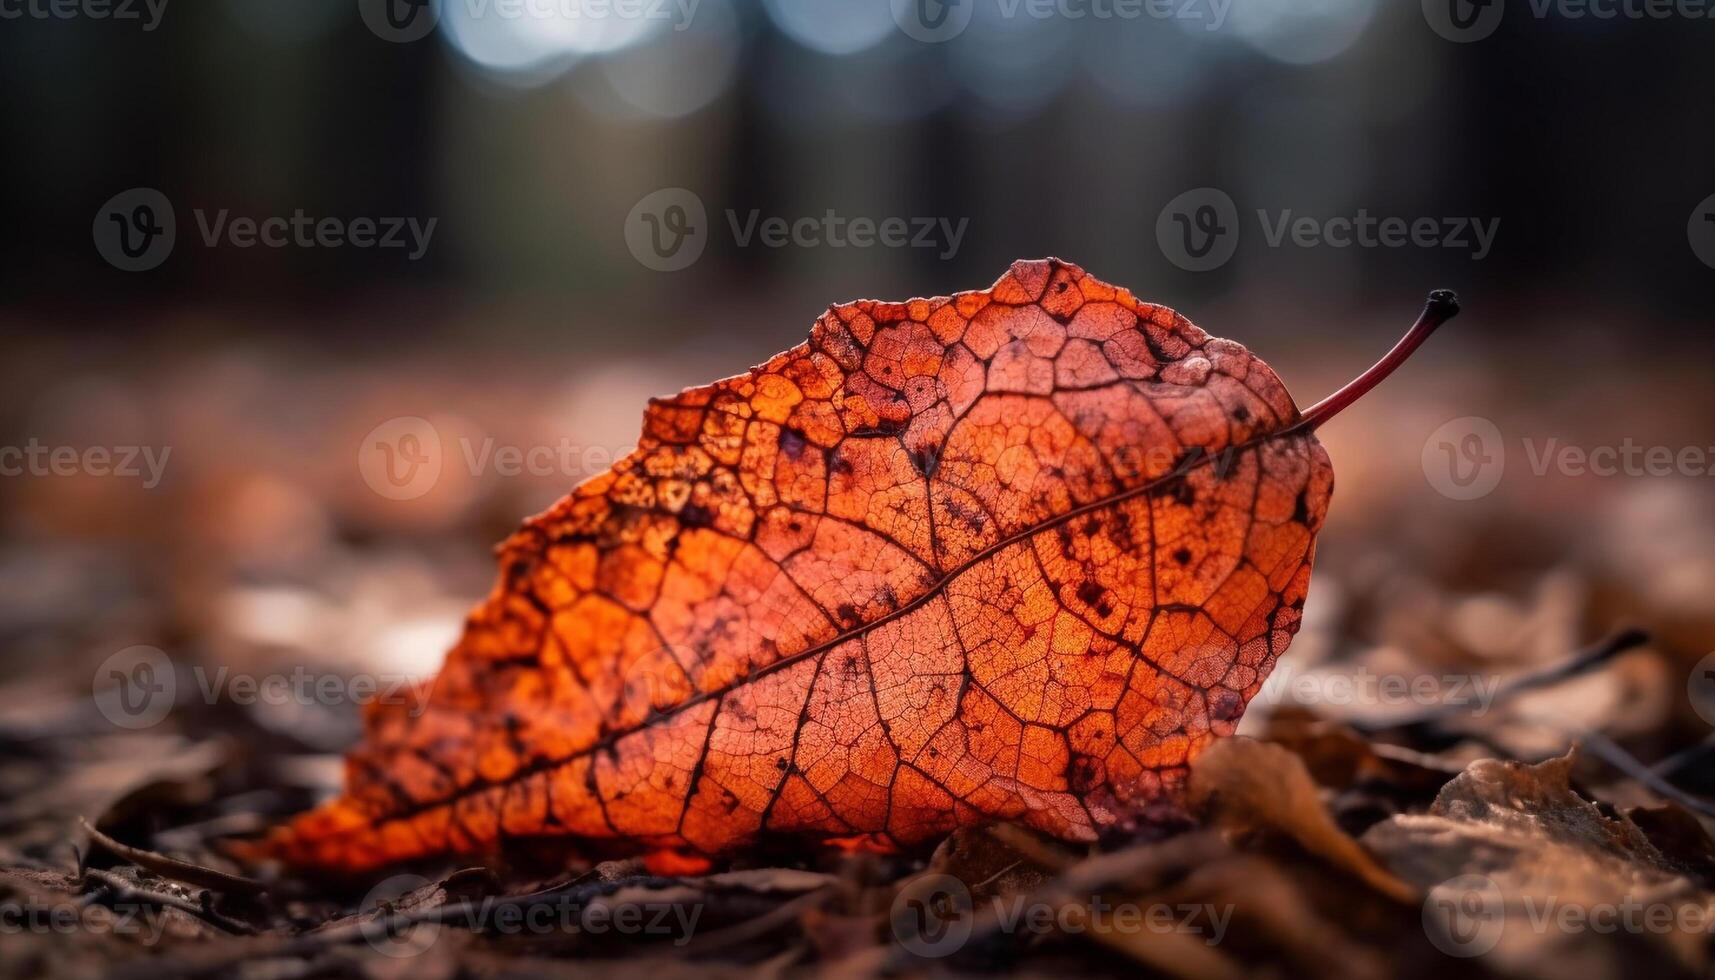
1017 553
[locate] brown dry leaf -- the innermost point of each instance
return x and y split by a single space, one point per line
1006 870
1543 882
1681 838
1340 758
1248 785
1285 916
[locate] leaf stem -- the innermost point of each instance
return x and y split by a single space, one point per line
1441 307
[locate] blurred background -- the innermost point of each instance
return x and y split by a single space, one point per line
499 226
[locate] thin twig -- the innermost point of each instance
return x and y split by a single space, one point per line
124 890
175 869
1609 751
1578 663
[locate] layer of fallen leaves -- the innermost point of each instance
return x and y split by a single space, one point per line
1318 847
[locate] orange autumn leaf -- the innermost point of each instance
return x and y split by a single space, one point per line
1014 554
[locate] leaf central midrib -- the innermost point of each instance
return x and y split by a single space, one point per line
612 739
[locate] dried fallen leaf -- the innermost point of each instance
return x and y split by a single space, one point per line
1017 553
1543 881
1245 784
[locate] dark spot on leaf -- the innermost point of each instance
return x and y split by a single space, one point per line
925 460
883 427
696 515
1182 493
1083 774
1225 705
1089 593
